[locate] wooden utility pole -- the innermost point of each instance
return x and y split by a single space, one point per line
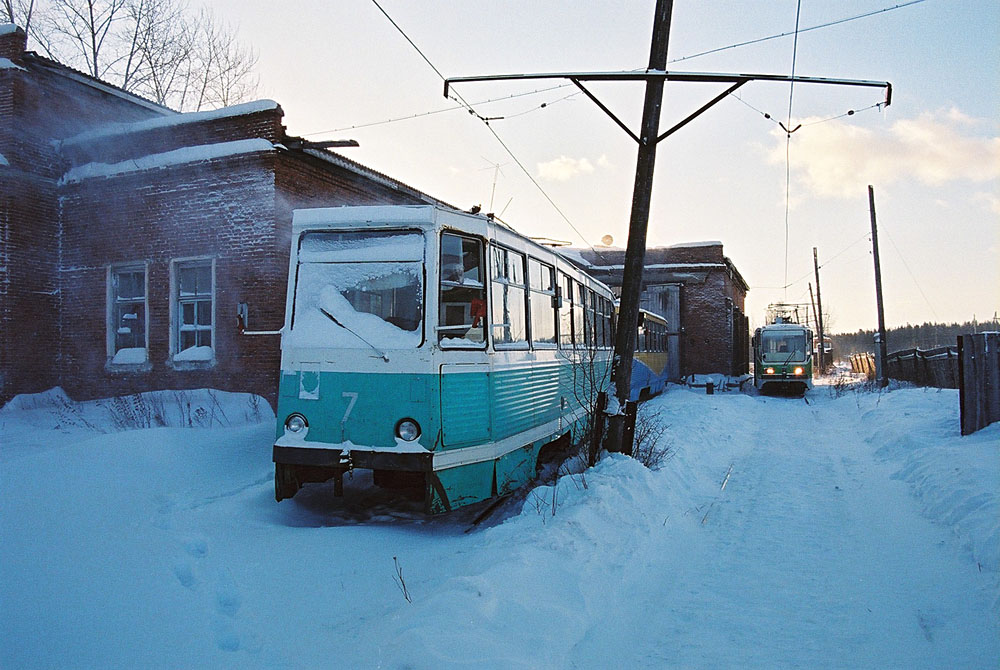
655 77
635 252
821 350
812 301
882 344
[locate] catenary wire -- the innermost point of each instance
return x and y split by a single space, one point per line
485 121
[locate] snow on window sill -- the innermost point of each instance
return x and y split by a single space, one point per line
129 360
194 358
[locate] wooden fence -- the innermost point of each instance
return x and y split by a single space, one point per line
863 364
979 376
931 367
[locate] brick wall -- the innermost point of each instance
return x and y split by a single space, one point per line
29 296
222 210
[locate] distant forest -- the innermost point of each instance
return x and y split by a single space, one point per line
925 336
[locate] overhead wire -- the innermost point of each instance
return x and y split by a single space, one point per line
673 60
797 31
908 270
452 109
456 96
788 132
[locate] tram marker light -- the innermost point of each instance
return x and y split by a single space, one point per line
769 371
799 370
296 423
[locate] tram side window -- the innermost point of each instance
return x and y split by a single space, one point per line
580 335
566 313
609 324
541 281
509 294
462 305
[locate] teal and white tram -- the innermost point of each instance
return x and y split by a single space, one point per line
782 357
436 348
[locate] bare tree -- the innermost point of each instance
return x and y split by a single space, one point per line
19 12
155 48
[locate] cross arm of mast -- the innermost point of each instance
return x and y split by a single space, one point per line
645 75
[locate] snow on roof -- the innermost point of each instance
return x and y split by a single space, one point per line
684 245
113 129
168 158
8 28
8 64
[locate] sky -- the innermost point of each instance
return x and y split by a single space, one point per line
341 70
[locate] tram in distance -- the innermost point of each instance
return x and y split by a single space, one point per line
441 350
650 363
782 357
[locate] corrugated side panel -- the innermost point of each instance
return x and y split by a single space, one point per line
545 386
465 407
514 401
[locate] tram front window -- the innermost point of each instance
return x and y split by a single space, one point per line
462 302
782 347
359 289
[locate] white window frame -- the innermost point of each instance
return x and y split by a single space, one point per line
111 302
175 317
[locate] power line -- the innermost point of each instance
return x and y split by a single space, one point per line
907 266
797 31
788 133
486 120
450 109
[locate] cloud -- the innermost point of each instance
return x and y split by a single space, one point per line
838 159
563 168
989 200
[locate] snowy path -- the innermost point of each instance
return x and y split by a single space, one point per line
854 532
810 557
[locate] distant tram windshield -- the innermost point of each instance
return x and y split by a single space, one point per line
779 346
358 289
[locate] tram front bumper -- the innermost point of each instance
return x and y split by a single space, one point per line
354 456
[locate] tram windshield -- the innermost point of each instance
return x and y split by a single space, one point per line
359 289
782 346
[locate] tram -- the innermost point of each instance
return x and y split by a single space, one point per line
438 349
782 355
650 363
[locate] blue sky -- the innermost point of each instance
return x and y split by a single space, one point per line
933 157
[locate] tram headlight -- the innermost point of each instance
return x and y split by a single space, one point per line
768 371
799 370
408 430
295 423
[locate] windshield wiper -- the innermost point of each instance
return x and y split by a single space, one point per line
380 353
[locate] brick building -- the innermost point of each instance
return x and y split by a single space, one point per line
702 295
131 236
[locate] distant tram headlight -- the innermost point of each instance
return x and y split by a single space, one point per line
408 430
769 371
799 370
295 423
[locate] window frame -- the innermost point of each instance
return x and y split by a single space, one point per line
442 284
176 316
112 303
552 308
520 344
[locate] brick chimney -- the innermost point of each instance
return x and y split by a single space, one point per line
13 42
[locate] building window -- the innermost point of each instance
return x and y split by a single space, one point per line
127 312
194 296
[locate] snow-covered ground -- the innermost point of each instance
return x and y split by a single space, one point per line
855 531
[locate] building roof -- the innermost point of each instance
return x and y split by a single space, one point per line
55 67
